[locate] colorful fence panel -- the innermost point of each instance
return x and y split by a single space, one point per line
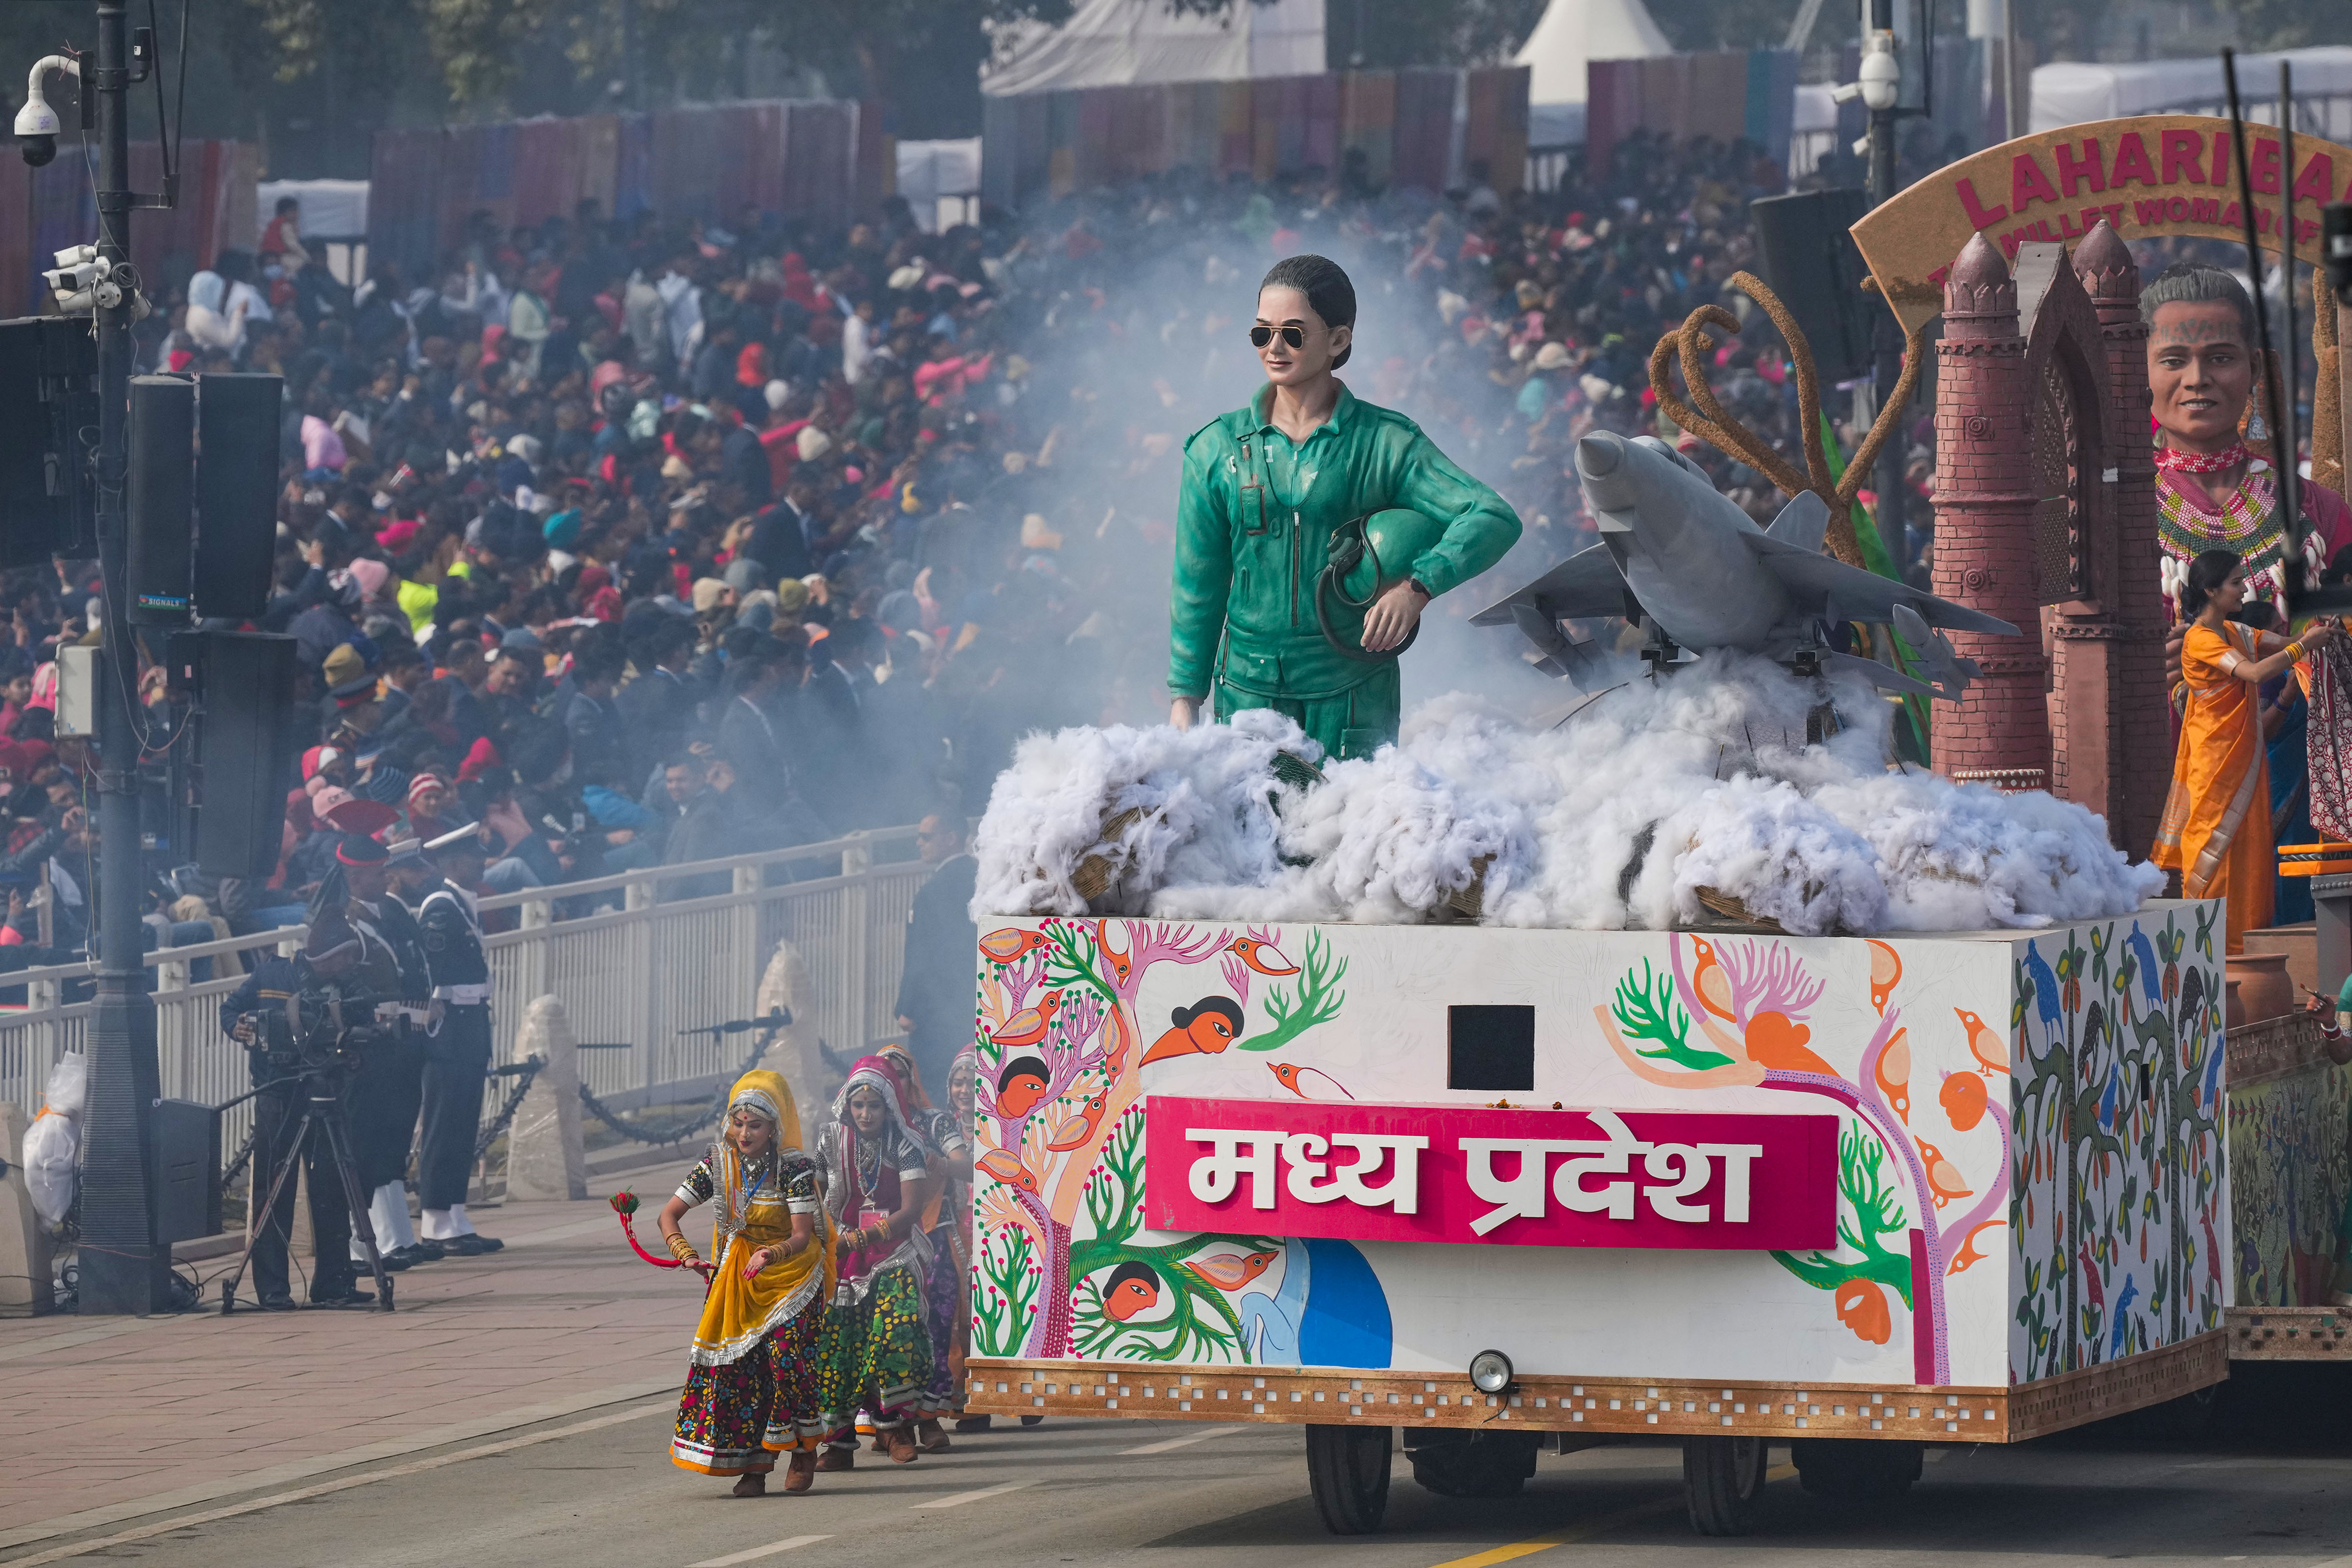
44 210
1727 95
1421 129
826 161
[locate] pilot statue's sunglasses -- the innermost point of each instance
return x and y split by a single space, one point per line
1295 336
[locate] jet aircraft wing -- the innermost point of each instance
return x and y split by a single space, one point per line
1584 586
1824 585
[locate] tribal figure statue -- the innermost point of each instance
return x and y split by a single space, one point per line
1313 529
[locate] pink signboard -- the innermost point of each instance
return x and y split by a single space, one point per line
1475 1174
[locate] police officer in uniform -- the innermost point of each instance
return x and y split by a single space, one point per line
390 1088
457 1042
332 956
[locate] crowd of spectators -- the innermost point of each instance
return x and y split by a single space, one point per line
645 542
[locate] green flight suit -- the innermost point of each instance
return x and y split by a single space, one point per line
1253 527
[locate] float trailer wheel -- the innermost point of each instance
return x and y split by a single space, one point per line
1721 1477
1348 1470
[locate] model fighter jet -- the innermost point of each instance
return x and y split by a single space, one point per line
1679 557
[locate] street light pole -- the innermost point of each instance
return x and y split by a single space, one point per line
123 1268
1881 85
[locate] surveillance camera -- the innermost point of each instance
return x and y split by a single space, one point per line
36 122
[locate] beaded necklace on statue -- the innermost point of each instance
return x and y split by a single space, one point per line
2248 524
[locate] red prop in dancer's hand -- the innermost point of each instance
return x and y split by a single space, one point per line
625 1204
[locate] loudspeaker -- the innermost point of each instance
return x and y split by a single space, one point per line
237 492
162 498
186 1138
1812 262
48 421
235 788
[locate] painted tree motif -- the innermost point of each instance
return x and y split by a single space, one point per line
1060 1045
1752 1002
2119 1088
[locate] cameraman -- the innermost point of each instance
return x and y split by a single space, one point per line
332 953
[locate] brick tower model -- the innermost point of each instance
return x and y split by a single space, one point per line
2112 745
1984 521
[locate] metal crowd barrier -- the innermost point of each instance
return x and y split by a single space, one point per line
637 962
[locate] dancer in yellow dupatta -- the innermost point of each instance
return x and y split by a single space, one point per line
2217 822
752 1390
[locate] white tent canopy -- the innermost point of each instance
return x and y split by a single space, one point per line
335 209
1118 43
1572 33
2072 92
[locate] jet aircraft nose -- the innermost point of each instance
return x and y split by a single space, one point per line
1599 453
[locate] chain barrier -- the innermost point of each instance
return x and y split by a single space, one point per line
522 1072
672 1135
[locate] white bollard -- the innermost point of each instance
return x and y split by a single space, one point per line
544 1157
24 1273
794 1051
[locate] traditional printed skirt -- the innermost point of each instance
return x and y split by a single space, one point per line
941 1292
734 1418
876 1355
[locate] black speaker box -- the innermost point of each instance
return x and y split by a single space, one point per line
187 1136
237 492
48 420
235 788
162 498
1812 262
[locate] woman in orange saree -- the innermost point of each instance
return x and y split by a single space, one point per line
2217 822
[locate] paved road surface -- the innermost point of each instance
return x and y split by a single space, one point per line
2272 1486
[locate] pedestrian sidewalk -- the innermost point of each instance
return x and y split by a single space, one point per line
112 1418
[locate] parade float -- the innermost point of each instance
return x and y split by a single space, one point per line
2078 503
1691 1071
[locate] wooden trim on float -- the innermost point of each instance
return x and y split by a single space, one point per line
1651 1407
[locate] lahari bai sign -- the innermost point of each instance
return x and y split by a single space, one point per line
2150 174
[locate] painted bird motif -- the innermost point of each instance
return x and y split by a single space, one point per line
1076 1131
2151 974
1121 1041
1030 1025
2091 1278
1206 1027
1984 1044
1713 985
2124 1299
1122 965
1019 1088
1005 1168
2047 1003
1134 1288
1774 1041
1012 944
1886 973
1893 1071
1262 956
1944 1178
1229 1270
1293 1077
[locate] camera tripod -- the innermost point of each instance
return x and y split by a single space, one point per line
321 1107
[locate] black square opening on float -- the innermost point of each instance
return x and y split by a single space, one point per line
1490 1049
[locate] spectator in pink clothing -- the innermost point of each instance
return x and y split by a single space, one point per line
947 372
322 449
